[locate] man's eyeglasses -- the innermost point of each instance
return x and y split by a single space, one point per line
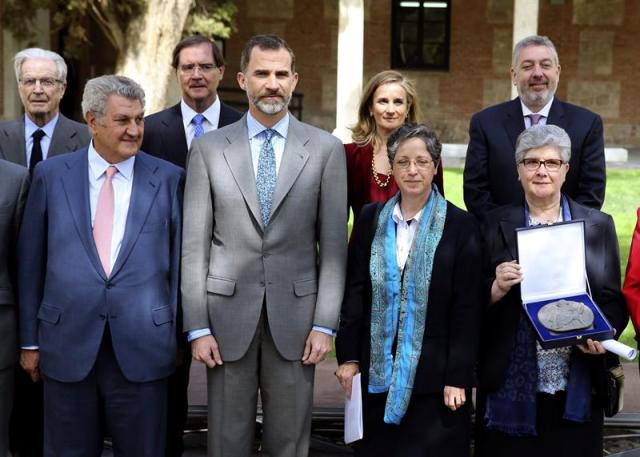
190 68
44 82
421 164
549 164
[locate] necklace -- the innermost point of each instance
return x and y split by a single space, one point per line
375 173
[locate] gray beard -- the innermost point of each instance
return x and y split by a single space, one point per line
272 108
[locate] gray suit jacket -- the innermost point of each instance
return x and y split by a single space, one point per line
67 136
232 264
14 184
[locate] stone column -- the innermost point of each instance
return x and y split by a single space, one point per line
350 57
525 23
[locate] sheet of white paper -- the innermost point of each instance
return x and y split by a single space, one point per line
620 349
353 413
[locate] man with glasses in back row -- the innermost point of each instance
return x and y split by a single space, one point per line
199 67
41 133
490 179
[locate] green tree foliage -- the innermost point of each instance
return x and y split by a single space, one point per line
212 18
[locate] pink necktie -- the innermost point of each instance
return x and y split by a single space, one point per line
103 223
535 118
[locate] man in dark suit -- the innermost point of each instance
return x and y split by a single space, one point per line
199 67
43 131
490 177
14 184
98 279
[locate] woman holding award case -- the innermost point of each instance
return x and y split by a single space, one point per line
411 313
531 401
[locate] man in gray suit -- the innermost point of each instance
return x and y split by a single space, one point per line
264 255
14 183
43 131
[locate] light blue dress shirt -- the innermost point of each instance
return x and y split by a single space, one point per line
211 119
30 127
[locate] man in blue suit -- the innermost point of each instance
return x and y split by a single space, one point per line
98 278
490 176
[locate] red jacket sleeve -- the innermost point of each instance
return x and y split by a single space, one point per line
631 288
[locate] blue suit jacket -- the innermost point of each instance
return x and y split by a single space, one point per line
490 176
65 297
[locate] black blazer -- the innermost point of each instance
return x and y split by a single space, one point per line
501 319
490 176
164 135
450 340
14 186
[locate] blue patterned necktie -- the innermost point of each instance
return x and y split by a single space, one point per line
266 178
197 120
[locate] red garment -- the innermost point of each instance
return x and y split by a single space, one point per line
631 288
362 188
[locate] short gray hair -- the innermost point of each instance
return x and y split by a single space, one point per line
410 130
534 40
543 135
37 53
98 90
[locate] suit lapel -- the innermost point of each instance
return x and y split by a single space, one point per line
514 122
294 158
76 187
226 115
13 142
62 139
143 194
556 114
509 222
174 135
238 157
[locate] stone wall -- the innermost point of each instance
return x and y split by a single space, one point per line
597 41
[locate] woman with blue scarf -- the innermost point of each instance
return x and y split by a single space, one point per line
411 313
531 401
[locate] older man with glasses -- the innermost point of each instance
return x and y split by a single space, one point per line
43 131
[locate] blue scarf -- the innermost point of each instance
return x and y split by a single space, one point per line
399 304
512 408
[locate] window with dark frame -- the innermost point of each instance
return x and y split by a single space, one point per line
420 34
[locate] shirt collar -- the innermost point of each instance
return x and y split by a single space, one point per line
398 217
254 127
544 111
210 114
97 165
30 127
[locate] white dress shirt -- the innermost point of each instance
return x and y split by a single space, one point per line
122 186
544 113
30 127
211 119
405 232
